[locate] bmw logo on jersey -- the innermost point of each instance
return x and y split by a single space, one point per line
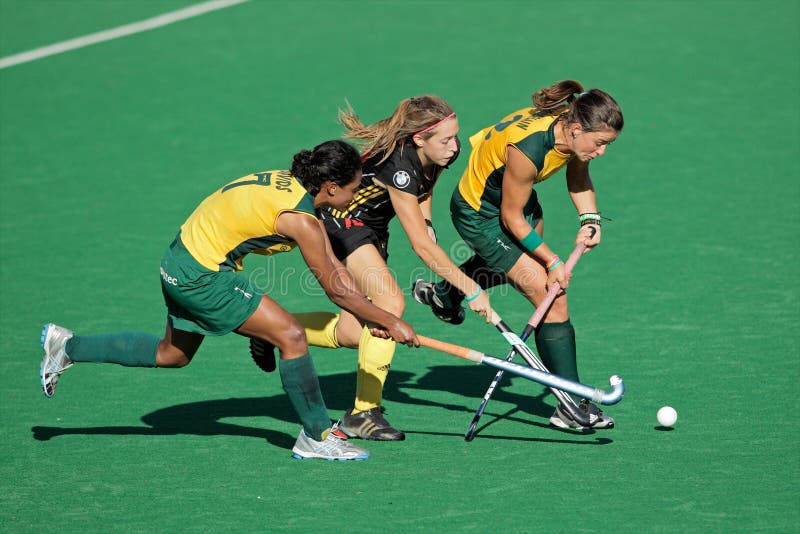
401 179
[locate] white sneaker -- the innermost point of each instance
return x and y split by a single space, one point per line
55 361
334 447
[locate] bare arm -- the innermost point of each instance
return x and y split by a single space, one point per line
581 190
410 213
425 206
517 186
310 236
518 179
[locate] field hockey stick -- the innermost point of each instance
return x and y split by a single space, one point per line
519 346
548 379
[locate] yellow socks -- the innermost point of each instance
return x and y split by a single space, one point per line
374 358
320 328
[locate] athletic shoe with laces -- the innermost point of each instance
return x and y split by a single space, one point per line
424 293
333 447
54 339
369 425
597 419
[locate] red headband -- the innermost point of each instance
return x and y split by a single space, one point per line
434 125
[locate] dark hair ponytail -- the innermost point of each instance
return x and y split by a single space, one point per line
593 109
557 96
335 160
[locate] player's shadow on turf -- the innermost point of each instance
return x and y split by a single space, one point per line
205 418
212 417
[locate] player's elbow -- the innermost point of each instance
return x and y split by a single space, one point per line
509 219
339 297
422 249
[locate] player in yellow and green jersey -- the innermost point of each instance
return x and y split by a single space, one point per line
496 211
263 213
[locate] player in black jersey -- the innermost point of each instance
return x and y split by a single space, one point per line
404 155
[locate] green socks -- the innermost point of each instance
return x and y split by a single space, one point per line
132 349
556 345
300 382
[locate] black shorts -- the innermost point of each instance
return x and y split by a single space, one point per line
348 234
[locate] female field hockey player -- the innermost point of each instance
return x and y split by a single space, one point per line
265 213
404 155
496 211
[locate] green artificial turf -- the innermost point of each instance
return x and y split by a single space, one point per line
692 296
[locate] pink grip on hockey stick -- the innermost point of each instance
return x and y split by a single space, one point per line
543 306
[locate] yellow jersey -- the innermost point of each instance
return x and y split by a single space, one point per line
531 133
240 218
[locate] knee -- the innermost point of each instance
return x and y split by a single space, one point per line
395 305
293 340
348 332
559 311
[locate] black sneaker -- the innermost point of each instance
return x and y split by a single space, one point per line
562 419
369 425
596 416
263 354
424 293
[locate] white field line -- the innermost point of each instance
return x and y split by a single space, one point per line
115 33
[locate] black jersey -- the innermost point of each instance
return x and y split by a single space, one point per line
402 171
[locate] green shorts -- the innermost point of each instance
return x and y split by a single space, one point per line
487 236
203 301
